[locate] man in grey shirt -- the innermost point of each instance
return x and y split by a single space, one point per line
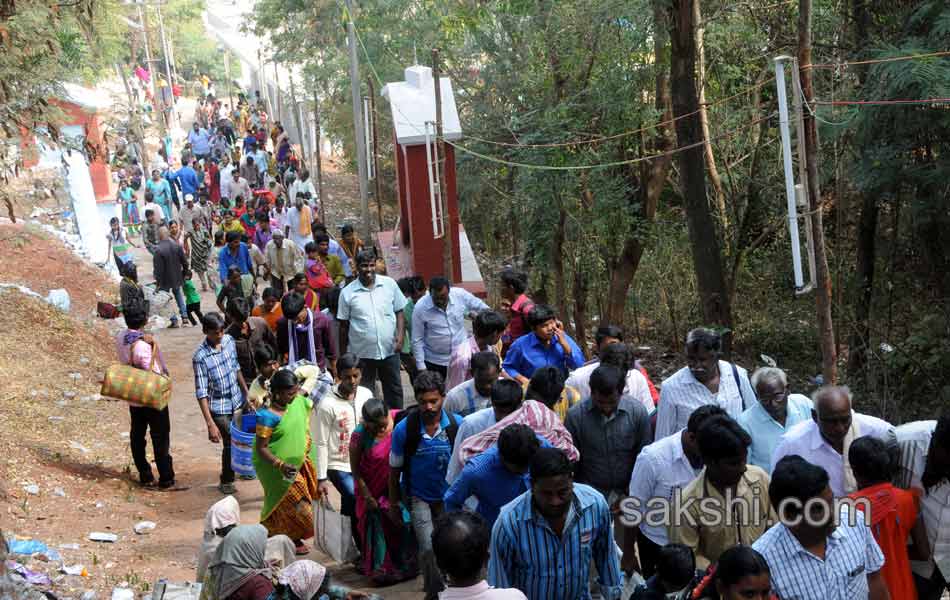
609 430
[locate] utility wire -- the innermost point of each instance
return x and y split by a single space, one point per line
876 60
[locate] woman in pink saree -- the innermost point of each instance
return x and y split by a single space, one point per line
389 549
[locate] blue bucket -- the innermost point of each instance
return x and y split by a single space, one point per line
242 449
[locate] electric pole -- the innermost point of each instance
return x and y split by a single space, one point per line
318 159
829 357
168 68
358 121
448 265
374 146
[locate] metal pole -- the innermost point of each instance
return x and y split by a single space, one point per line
802 168
227 73
277 99
293 100
375 155
787 167
447 237
318 158
168 68
357 120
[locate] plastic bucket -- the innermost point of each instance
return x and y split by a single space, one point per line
242 449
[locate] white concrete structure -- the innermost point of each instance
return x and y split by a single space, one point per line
413 105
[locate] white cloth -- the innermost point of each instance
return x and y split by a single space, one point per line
661 468
682 393
222 513
913 439
337 417
805 440
302 186
636 384
284 262
481 591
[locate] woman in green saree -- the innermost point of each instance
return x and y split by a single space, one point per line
283 458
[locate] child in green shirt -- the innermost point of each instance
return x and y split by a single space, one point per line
192 299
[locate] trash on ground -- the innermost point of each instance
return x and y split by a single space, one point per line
58 491
26 546
69 546
98 536
32 489
77 446
75 570
122 594
144 527
31 577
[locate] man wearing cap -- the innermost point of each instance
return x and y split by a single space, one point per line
283 259
187 214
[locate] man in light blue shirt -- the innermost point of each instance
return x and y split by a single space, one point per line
438 324
372 326
774 414
545 540
200 141
506 397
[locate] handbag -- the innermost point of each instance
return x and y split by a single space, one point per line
107 310
138 386
333 533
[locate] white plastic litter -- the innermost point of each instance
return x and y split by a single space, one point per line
122 594
72 569
98 536
58 298
88 595
144 527
32 489
59 492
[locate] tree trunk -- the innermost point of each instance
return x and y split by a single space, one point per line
826 330
704 241
580 306
557 260
711 170
653 172
864 276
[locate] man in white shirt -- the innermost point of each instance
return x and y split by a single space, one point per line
925 464
704 380
304 185
460 542
666 465
619 355
237 186
283 259
825 440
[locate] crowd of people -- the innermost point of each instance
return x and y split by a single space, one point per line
522 469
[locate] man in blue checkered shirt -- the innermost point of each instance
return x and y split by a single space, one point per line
220 389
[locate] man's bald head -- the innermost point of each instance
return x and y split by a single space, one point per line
163 233
832 412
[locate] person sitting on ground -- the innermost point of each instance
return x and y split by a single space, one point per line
498 475
140 350
460 541
892 514
487 327
239 568
284 461
546 345
305 334
675 574
547 387
307 580
475 394
269 309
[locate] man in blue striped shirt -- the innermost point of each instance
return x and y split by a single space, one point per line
545 540
809 555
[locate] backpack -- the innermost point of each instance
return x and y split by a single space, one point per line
414 437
